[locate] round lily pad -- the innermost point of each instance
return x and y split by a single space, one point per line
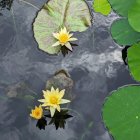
134 61
55 14
102 6
134 16
121 113
122 6
123 33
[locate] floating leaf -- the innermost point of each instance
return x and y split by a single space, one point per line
55 14
134 16
122 6
123 33
102 6
134 61
121 113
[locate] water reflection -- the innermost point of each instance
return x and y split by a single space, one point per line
95 66
59 119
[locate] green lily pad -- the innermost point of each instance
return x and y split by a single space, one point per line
134 61
121 113
102 6
55 14
134 16
122 6
123 33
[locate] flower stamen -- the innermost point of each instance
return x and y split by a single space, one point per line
64 38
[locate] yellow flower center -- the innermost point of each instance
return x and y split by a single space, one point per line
54 100
64 38
37 113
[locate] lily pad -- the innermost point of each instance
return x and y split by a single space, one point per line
55 14
123 33
134 61
121 113
134 16
122 6
102 6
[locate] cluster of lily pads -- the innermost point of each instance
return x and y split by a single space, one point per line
121 112
50 108
125 30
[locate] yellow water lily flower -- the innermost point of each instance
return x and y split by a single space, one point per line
64 38
53 99
37 113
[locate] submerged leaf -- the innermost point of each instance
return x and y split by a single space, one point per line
121 113
102 6
55 14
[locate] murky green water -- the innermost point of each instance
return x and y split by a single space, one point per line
95 66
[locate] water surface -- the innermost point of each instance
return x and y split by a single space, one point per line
96 68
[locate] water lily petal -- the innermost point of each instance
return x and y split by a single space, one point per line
58 108
64 30
64 101
57 90
31 115
68 46
56 35
42 100
47 108
47 94
61 93
56 44
44 93
62 44
73 39
70 35
52 89
52 110
45 104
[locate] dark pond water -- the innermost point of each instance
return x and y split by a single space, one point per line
96 68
